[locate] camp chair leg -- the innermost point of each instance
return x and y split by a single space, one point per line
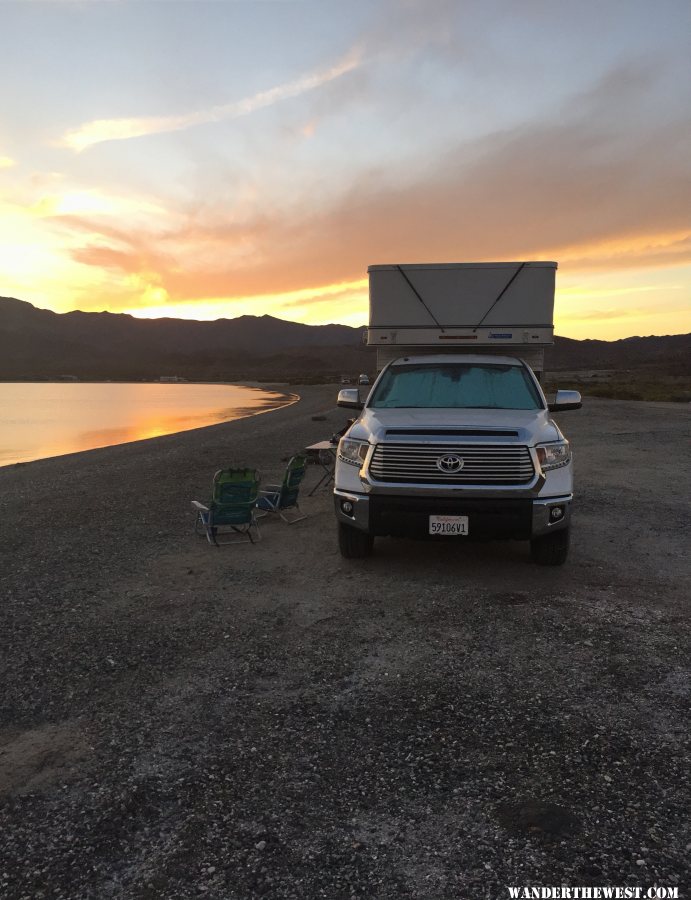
201 524
221 538
247 530
249 535
261 513
298 518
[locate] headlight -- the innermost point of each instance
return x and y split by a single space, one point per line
553 456
352 452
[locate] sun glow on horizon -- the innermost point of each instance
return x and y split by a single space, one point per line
584 307
314 305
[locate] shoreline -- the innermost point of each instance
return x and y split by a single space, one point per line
182 447
290 398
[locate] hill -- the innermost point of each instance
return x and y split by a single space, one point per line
37 343
40 344
670 354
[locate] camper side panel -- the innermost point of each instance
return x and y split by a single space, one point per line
459 295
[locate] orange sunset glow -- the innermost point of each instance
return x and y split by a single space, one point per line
265 179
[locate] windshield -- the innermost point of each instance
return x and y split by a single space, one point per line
456 386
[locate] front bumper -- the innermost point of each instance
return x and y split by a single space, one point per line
488 517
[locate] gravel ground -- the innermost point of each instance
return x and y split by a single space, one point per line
439 721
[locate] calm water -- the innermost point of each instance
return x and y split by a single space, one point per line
40 420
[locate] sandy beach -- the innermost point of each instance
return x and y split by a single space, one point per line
274 721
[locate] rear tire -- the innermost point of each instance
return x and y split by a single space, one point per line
551 549
354 544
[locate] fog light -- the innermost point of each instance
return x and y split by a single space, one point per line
347 507
556 513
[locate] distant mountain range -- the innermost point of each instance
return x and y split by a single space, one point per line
667 353
39 344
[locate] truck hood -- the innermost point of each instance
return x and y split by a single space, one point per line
533 425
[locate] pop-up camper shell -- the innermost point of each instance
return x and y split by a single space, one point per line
505 308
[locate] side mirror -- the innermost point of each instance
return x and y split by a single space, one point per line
566 400
350 399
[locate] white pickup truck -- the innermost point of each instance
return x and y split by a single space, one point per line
457 445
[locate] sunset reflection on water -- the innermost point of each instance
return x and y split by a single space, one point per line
43 420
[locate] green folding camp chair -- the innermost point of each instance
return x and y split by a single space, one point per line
231 511
279 497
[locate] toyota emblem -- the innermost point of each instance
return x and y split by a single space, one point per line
450 464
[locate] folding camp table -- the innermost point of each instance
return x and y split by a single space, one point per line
324 453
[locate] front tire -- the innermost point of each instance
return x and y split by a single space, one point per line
354 544
551 549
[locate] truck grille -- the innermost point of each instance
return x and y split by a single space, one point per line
437 463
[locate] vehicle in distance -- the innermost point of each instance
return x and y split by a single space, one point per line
363 379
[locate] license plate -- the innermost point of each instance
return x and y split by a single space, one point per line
448 524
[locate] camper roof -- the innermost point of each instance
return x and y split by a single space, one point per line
541 264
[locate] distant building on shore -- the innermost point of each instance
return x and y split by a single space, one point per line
172 379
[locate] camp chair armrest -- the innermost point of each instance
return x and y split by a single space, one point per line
200 506
271 489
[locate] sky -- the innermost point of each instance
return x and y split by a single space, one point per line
214 159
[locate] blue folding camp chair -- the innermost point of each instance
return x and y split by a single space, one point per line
279 497
231 512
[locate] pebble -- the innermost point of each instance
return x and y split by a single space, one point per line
208 754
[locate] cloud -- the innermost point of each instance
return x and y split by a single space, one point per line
101 130
631 251
609 314
78 201
6 162
321 294
595 190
